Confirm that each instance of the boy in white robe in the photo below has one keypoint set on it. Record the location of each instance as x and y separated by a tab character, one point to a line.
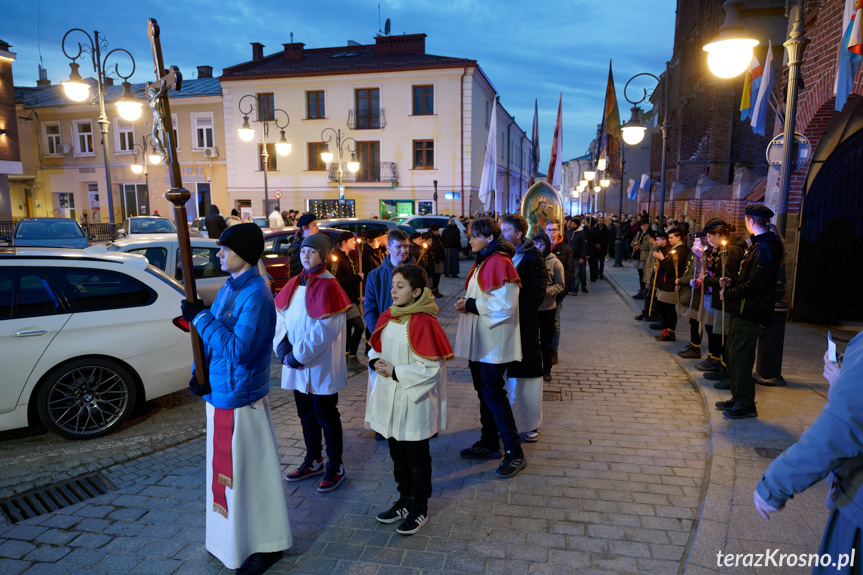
407	404
310	342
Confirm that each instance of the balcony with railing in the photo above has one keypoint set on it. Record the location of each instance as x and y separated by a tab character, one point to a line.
367	119
382	172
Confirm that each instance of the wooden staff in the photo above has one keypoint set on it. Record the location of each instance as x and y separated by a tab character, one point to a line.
360	258
723	254
653	289
701	303
692	291
676	277
163	129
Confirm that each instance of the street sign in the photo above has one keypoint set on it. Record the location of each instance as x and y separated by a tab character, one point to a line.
277	194
775	150
341	193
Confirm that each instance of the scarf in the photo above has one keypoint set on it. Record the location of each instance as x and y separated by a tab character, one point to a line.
499	244
424	304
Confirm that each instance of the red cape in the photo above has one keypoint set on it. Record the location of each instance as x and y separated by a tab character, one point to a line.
426	337
324	296
494	272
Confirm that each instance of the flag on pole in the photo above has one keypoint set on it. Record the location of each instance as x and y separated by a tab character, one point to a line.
751	85
555	163
632	190
762	102
534	156
646	182
850	51
609	144
488	183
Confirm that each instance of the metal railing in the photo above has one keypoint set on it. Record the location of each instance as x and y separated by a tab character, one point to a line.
367	119
383	172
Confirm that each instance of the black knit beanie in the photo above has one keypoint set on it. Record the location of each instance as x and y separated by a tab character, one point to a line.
247	240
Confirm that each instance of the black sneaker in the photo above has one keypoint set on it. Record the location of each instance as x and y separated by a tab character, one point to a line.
690	352
641	317
397	512
723	405
740	412
479	451
412	523
258	563
546	377
656	325
717	374
554	358
639	295
512	463
724	384
379	437
708	364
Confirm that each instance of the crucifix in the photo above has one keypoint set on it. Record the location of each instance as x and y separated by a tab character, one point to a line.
163	136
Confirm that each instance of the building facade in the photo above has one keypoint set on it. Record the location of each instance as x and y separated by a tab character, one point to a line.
10	154
64	167
409	118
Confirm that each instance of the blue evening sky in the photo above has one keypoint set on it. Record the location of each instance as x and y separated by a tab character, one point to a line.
532	49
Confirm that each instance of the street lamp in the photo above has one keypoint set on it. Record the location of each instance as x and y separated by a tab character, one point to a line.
78	91
149	158
335	138
730	53
768	367
633	132
247	134
601	164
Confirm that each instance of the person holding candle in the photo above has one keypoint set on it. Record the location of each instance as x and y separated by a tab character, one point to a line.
343	265
750	300
672	264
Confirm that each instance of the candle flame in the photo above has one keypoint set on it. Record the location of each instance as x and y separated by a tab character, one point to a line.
359	240
425	245
674	251
335	259
723	242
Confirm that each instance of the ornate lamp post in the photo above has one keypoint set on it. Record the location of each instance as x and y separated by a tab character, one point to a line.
78	90
335	137
153	157
247	133
633	131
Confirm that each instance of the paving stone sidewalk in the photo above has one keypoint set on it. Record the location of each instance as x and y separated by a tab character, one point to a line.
741	450
613	486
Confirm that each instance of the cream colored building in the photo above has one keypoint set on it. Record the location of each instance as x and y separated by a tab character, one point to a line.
64	166
409	117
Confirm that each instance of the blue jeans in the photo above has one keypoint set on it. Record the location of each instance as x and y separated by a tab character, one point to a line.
495	412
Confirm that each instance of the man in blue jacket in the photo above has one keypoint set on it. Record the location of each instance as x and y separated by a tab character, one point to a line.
247	516
379	283
832	445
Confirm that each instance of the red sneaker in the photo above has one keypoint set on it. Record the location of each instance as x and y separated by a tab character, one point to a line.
332	479
307	469
666	335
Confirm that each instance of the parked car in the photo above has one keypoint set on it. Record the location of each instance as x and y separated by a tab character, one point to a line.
49	232
423	223
358	225
164	253
276	258
197	229
144	225
85	338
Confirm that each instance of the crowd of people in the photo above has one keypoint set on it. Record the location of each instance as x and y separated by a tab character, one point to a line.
383	288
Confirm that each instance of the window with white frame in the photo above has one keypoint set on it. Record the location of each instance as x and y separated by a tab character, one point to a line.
52	139
202	127
125	135
176	130
83	135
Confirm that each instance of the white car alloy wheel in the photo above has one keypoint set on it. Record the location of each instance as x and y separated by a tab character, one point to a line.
86	398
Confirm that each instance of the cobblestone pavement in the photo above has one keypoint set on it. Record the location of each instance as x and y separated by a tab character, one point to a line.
613	486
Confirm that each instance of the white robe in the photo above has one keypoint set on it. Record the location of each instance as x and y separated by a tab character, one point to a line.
319	344
414	407
525	398
493	336
257	519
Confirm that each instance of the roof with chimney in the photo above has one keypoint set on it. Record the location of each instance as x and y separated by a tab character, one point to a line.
387	54
53	95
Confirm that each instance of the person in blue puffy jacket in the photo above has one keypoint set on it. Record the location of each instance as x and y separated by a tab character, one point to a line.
247	515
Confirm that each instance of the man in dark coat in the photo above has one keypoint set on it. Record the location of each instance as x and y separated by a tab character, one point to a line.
579	246
451	239
215	223
530	266
437	252
564	253
750	301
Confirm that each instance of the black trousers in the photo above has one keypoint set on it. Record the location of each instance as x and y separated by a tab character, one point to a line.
412	470
593	263
546	333
495	412
641	279
694	333
451	261
667	315
740	345
714	344
355	328
320	413
435	280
